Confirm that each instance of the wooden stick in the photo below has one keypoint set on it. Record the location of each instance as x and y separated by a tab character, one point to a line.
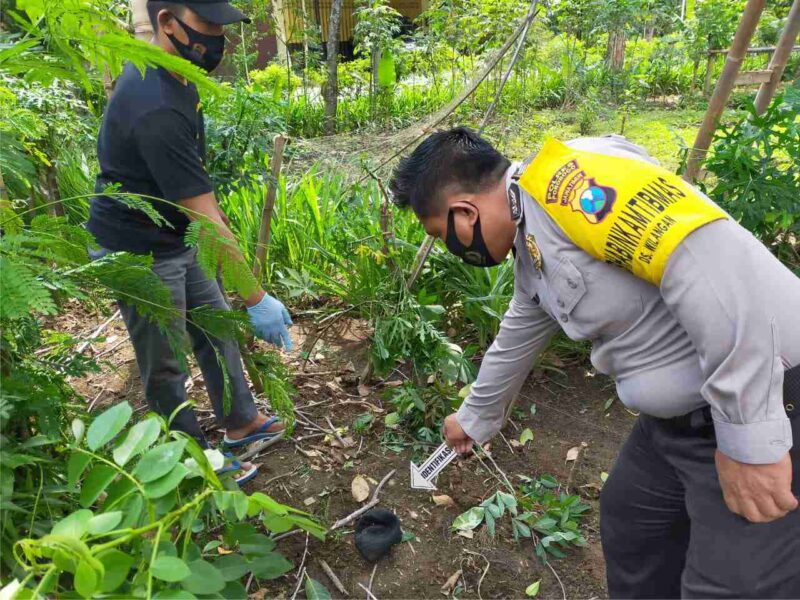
370	595
777	63
373	502
265	231
96	333
716	106
332	576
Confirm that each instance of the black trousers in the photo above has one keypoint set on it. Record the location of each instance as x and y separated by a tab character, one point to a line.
667	532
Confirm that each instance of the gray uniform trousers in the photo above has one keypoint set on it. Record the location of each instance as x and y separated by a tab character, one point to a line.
163	378
667	532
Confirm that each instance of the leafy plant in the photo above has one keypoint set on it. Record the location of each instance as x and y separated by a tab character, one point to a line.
756	175
143	494
549	517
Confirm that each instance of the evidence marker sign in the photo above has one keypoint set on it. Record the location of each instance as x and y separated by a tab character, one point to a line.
422	477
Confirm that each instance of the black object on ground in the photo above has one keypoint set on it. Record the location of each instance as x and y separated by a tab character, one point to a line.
376	532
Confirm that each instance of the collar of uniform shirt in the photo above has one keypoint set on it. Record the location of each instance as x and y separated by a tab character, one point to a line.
509	174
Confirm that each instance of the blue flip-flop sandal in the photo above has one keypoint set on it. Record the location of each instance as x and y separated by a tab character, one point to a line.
234	465
260	439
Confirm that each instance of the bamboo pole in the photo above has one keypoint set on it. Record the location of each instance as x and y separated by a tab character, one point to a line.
777	62
733	63
265	231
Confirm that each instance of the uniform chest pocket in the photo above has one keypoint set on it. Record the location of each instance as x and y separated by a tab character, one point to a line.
568	286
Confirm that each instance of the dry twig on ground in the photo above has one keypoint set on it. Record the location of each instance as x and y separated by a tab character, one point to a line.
373	502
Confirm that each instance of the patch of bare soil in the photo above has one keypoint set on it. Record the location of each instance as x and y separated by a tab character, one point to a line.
314	473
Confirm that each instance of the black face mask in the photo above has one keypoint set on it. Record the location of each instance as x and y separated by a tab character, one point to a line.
214	47
476	254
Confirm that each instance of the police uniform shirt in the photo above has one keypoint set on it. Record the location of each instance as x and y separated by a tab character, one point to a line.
720	330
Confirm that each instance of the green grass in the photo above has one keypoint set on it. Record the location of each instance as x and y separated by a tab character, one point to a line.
659	131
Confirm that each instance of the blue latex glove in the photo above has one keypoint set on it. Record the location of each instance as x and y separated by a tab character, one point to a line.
270	319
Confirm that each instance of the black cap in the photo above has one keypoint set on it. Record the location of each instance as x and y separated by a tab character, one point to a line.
214	11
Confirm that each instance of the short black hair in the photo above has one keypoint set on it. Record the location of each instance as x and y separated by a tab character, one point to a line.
454	160
153	8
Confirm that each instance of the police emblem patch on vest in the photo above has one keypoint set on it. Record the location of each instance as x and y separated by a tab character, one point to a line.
626	212
533	250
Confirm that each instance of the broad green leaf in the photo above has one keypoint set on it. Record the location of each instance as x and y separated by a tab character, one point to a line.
509	500
270	566
240	504
391	420
107	425
277	524
164	485
75	466
96	481
169	568
105	522
387	76
464	391
315	590
132	509
118	492
117	565
533	589
139	439
175	595
470	519
233	589
526	436
78	429
86	579
159	461
204	578
256	544
232	566
74	525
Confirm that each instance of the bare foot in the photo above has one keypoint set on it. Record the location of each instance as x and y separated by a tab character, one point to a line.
241	432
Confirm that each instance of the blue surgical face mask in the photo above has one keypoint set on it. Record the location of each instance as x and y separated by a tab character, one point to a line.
213	47
476	254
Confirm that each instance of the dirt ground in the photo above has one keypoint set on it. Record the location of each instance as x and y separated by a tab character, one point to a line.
311	473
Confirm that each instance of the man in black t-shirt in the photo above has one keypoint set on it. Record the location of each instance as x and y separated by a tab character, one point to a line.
152	143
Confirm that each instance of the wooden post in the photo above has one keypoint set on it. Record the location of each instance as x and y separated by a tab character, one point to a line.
777	62
265	231
733	63
331	90
142	28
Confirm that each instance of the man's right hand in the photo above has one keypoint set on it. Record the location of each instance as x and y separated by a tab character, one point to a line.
270	320
455	436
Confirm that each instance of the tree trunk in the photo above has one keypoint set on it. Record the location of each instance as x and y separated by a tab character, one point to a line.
332	84
615	51
142	28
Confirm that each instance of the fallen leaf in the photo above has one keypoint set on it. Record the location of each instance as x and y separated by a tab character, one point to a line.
574	452
603	476
533	589
451	582
526	436
443	500
363	390
515	444
311	385
467	533
309	501
359	488
392	384
221	550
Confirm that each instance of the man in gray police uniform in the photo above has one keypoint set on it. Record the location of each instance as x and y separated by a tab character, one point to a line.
702	499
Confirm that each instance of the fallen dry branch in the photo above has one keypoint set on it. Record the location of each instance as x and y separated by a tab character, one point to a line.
332	576
373	502
370	595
